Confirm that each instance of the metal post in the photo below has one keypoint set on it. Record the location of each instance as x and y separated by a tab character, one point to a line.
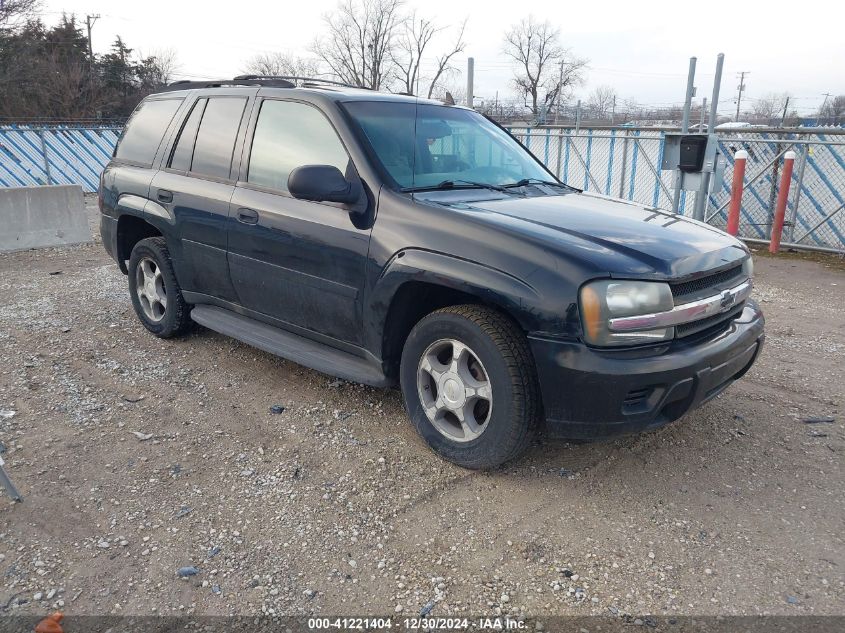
470	77
736	191
45	156
704	190
6	483
578	117
676	196
624	165
783	196
796	200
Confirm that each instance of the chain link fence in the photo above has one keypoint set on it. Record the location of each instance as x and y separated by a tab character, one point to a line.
625	163
619	162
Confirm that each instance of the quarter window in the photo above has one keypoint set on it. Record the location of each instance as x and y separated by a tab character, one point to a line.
184	150
145	129
288	135
216	138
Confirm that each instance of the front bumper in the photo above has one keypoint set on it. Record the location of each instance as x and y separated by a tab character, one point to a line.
590	393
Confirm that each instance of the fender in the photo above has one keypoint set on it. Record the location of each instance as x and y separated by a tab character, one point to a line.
492	286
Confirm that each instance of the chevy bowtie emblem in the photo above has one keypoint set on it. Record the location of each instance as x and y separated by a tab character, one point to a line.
728	299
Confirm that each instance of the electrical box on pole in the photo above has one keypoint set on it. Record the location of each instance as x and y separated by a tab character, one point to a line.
694	155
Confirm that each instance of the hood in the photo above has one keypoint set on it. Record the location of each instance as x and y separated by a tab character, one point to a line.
624	237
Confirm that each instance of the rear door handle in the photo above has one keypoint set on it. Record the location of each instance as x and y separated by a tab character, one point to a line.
248	216
165	196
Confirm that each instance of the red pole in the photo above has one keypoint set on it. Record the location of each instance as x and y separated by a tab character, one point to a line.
736	191
780	208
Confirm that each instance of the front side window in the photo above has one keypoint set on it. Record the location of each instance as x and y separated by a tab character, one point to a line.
216	138
288	135
145	129
423	145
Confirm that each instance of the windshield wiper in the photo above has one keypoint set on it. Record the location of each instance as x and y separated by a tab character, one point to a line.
537	181
460	184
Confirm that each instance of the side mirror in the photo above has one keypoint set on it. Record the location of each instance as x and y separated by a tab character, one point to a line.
321	183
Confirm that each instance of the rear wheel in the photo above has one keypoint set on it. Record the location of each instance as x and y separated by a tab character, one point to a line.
156	295
470	386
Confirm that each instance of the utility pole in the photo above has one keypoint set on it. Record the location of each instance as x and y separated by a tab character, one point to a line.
826	95
785	106
90	20
470	77
741	88
613	110
559	92
703	115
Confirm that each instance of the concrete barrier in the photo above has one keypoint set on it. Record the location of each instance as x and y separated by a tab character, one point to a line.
36	217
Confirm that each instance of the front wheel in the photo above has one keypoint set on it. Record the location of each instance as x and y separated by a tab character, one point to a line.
470	385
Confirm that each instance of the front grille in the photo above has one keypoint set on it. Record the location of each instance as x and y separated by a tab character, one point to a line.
710	326
706	286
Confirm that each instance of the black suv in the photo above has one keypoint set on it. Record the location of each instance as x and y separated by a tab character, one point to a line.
387	239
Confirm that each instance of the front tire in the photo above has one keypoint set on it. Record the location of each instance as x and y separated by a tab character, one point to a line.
156	295
470	385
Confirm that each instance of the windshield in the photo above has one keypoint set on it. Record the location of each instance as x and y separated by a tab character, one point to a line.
422	145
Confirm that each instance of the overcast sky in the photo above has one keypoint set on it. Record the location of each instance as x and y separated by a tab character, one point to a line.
641	49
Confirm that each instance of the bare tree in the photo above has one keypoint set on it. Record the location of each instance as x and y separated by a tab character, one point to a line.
14	11
543	64
161	66
444	61
410	48
601	102
770	107
360	41
281	64
832	111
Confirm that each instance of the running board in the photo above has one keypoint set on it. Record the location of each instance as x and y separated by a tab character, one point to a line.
298	349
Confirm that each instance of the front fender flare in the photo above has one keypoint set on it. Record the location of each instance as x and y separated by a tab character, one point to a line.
491	286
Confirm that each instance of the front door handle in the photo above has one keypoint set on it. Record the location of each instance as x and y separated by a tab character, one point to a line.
165	196
248	216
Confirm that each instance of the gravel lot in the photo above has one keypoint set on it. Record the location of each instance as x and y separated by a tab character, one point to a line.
138	457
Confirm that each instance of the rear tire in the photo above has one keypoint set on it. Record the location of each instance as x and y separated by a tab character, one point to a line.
155	293
470	385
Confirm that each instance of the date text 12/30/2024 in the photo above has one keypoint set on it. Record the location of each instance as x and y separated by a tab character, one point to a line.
417	624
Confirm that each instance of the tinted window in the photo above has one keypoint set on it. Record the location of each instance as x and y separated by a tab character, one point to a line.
289	135
216	139
145	129
185	145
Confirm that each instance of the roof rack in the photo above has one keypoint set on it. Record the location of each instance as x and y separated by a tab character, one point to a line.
187	84
306	81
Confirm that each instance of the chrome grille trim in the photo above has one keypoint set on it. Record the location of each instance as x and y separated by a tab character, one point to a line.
686	312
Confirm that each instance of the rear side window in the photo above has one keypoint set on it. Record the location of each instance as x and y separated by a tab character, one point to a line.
216	138
289	135
184	150
145	129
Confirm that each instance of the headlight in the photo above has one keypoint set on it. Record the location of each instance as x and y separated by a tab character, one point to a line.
602	300
748	267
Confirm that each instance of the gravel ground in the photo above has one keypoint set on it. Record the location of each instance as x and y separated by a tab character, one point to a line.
138	457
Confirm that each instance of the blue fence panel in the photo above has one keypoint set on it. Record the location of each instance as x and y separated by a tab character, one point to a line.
59	155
